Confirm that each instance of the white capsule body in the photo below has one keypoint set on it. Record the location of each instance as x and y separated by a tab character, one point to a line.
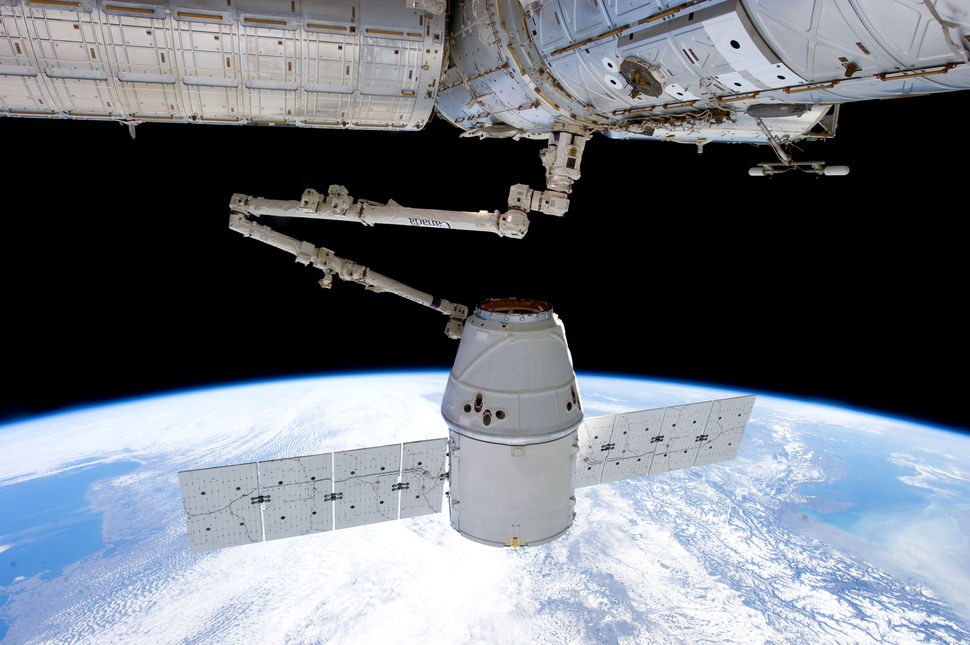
512	408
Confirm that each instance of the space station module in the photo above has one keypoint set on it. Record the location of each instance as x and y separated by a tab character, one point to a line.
694	71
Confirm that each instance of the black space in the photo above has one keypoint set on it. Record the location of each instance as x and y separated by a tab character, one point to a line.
121	278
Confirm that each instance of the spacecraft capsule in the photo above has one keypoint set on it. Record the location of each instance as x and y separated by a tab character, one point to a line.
512	408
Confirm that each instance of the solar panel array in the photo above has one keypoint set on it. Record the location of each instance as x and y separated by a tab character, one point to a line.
646	442
280	498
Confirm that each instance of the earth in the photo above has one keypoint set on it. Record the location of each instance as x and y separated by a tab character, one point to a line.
831	526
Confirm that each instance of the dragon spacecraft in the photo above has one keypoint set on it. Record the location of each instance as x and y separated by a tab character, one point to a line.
769	72
518	446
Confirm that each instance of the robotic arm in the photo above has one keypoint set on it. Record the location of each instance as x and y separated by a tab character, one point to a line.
326	261
337	204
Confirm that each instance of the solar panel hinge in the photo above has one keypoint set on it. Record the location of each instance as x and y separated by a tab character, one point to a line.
258	499
701	437
333	496
443	476
657	439
607	446
401	486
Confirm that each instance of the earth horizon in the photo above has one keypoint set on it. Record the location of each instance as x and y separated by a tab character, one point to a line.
832	525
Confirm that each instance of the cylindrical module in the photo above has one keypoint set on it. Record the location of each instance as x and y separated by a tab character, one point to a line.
504	495
512	407
309	63
693	71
